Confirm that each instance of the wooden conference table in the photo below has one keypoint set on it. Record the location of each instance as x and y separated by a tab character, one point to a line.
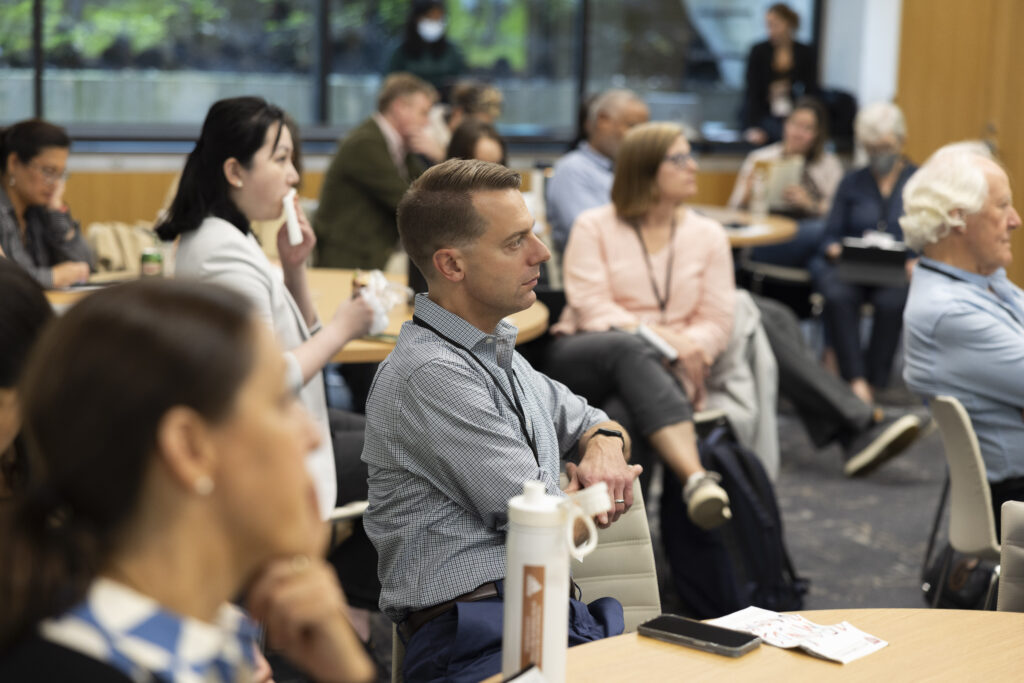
329	287
923	645
747	231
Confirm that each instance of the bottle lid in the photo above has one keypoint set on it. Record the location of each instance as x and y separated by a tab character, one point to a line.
535	507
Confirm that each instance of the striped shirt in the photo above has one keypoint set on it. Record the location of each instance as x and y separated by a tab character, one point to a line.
445	452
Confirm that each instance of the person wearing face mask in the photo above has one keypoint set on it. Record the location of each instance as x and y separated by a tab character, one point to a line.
868	199
425	50
36	229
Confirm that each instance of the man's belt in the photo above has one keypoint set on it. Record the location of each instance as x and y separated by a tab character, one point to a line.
414	621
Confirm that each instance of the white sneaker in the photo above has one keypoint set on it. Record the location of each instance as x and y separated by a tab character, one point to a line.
707	503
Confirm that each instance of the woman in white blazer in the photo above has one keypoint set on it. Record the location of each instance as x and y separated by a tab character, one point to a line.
240	171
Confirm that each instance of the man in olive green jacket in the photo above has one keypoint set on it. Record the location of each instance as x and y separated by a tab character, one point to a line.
355	222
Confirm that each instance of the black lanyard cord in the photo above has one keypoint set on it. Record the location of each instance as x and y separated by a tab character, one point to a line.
513	401
662	300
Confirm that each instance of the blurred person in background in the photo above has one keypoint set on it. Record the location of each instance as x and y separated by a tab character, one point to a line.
805	134
36	228
355	223
582	179
132	535
478	140
425	50
869	200
779	71
470	100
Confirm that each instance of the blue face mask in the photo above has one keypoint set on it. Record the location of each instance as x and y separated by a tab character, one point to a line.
430	30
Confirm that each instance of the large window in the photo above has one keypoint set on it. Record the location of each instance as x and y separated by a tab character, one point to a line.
151	68
687	57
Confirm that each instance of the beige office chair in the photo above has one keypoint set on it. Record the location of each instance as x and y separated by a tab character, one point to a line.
1011	562
622	566
972	528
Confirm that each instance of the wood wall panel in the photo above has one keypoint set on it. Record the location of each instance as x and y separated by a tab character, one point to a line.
133	196
960	78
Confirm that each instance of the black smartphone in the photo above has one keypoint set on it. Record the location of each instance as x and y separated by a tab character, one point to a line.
700	636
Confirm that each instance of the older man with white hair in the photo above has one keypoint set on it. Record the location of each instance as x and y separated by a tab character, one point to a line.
583	178
964	319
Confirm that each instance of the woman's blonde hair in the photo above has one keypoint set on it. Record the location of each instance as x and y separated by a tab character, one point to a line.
635	190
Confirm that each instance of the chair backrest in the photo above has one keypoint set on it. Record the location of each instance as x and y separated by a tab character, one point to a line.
971	521
397	655
622	566
1011	562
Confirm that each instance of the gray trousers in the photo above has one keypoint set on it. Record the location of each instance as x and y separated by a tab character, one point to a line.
824	402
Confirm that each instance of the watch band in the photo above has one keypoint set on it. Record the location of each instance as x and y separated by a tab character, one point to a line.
612	432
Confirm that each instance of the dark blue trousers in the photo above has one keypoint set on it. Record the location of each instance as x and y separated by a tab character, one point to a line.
464	643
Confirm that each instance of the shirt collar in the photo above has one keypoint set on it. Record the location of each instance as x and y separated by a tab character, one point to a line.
601	160
133	633
459	329
960	274
395	143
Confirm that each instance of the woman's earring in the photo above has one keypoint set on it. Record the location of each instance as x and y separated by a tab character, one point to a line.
203	485
238	183
12	181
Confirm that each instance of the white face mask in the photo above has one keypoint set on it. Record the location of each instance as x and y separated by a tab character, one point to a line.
430	30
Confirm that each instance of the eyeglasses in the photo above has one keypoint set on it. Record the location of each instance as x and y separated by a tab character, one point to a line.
50	175
681	159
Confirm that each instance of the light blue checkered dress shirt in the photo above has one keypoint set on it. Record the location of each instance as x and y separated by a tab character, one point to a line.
445	453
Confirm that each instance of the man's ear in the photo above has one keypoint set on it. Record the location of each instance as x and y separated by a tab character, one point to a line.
233	172
184	443
449	263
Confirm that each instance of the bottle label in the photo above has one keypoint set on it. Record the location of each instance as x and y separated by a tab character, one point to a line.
532	637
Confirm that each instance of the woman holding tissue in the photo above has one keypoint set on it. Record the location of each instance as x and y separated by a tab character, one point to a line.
804	136
240	171
130	538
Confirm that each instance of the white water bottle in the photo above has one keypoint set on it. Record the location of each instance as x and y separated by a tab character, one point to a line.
540	542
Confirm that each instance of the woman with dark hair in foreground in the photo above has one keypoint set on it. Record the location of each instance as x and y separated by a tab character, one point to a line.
24	312
183	489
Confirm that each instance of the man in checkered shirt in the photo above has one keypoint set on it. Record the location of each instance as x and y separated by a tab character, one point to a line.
457	421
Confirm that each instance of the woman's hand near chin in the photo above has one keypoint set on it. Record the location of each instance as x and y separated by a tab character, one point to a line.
303	609
295	257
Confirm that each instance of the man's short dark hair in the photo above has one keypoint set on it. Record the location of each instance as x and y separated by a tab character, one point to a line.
437	211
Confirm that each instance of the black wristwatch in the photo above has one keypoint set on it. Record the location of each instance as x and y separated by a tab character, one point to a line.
612	432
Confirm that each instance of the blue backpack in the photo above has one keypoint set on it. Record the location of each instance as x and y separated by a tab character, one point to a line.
743	562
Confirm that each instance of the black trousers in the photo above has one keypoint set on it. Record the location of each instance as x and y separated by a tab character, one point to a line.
843	302
826	406
355	560
1002	491
623	375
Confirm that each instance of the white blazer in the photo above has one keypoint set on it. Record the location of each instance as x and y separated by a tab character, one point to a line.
218	252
